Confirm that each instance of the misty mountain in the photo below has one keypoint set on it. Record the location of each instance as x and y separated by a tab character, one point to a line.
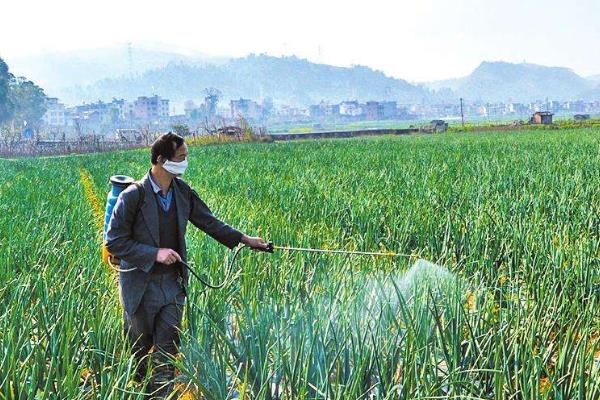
129	72
594	78
60	72
502	81
593	93
445	84
287	80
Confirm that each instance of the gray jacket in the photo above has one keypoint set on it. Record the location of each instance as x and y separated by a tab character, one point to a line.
133	236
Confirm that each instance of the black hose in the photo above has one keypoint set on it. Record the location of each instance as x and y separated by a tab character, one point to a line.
228	272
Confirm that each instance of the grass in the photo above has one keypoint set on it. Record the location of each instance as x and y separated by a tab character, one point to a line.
512	220
338	125
559	123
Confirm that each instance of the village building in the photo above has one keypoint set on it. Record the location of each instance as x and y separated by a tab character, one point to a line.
55	115
373	111
541	118
350	108
323	109
438	125
151	108
246	108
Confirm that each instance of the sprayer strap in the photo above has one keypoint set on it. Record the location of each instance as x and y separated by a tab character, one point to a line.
141	196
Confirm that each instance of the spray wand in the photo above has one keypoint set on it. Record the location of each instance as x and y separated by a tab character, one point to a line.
271	247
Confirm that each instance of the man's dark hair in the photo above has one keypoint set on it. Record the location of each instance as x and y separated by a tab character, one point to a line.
165	146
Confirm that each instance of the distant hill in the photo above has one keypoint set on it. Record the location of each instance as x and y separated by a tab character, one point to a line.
60	73
594	78
101	74
502	81
593	93
287	80
452	84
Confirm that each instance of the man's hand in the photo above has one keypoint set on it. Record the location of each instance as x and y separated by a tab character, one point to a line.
167	256
254	242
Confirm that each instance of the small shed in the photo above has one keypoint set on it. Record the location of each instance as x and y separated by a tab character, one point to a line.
541	118
581	117
438	125
230	131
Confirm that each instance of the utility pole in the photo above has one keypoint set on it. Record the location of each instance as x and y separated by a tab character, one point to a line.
462	113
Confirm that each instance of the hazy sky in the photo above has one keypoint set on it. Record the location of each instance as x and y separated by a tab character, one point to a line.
415	40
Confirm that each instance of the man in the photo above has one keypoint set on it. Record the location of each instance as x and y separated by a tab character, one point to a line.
147	233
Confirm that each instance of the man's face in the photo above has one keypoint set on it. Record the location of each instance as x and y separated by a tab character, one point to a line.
180	154
178	162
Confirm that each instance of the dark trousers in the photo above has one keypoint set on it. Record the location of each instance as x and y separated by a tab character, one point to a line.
156	323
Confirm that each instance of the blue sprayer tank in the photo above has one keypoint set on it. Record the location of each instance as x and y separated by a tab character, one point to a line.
118	184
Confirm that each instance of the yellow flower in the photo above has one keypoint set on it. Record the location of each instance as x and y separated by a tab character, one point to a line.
398	373
471	302
86	373
545	385
465	332
90	195
186	393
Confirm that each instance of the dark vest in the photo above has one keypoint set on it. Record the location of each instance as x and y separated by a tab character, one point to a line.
169	235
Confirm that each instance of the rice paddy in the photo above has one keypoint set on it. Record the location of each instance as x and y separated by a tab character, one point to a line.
498	300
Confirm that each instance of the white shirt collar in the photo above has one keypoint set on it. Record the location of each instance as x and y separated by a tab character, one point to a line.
155	187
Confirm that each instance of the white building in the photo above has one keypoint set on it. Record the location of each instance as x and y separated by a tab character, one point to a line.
245	108
126	110
55	113
151	108
350	108
163	111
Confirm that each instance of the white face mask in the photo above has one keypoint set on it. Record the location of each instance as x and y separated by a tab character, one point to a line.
176	168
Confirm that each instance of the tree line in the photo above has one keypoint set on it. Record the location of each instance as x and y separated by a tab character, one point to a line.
22	104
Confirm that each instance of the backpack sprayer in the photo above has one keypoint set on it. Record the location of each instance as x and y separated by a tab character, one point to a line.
121	182
118	184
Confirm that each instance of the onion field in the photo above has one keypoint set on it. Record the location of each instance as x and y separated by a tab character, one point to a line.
497	298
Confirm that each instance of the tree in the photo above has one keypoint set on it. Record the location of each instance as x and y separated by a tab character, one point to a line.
212	98
22	103
29	102
78	128
5	104
181	129
146	134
